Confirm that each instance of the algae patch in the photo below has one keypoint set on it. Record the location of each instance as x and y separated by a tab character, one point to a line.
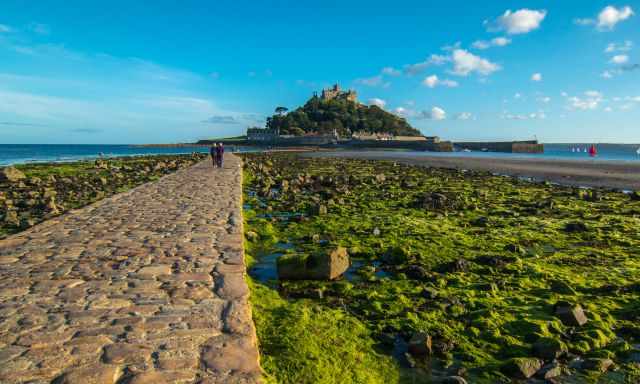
499	273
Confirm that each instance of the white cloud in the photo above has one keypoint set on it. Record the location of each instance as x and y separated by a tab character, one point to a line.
607	75
610	16
403	112
436	113
608	109
536	77
40	29
624	47
495	42
464	116
590	101
465	63
524	116
378	102
417	68
391	71
584	22
4	28
517	95
370	81
433	81
520	21
619	59
544	99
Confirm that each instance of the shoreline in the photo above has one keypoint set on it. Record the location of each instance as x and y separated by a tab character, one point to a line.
578	173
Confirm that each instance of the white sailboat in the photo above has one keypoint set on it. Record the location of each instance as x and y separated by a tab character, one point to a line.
638	151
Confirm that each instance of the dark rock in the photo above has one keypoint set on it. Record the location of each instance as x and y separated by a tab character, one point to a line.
480	221
515	248
323	265
635	195
454	380
417	272
577	226
522	367
548	348
420	344
597	364
570	314
430	293
460	265
562	287
549	371
11	174
495	261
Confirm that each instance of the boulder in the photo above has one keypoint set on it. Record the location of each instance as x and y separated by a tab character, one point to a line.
559	286
635	195
11	174
570	314
323	265
576	226
420	344
596	364
522	367
549	371
548	348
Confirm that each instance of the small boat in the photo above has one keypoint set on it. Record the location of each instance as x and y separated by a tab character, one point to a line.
638	151
593	152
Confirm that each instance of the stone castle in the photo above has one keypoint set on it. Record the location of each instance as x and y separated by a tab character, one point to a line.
336	93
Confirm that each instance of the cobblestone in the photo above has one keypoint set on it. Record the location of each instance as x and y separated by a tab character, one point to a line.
144	287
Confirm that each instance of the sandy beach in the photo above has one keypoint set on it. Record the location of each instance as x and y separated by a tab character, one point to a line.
587	173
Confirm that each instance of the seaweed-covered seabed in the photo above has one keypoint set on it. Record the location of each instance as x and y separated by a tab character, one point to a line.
50	189
475	261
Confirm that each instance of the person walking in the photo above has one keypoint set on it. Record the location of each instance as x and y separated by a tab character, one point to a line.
220	154
213	151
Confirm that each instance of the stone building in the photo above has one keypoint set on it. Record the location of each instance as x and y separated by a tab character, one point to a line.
336	93
262	134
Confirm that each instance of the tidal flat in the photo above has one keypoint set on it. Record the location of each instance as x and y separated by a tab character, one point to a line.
456	276
32	193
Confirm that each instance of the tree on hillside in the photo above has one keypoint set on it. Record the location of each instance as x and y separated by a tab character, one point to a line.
344	116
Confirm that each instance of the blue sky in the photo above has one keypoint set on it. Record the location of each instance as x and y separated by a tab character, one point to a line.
131	72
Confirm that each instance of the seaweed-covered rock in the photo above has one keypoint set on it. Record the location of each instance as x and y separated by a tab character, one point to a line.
597	364
635	195
459	265
323	265
562	287
551	370
11	174
576	226
548	348
570	314
420	344
522	367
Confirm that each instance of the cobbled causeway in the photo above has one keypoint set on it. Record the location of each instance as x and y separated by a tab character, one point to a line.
144	287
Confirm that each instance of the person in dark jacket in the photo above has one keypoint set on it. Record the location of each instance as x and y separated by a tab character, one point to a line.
213	151
220	154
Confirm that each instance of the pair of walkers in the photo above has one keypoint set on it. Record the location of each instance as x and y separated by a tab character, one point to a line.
217	154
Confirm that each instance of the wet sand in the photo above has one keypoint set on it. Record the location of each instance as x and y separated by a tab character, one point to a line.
586	173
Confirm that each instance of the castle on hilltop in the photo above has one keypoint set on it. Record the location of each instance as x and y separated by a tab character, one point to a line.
336	93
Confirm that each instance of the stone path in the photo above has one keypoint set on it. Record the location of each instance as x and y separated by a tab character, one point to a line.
144	287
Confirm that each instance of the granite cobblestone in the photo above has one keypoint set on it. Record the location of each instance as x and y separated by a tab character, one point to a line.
143	287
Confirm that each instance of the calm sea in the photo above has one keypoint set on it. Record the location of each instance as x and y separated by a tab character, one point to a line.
30	153
37	153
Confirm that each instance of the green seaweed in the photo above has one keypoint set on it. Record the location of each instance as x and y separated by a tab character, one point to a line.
476	261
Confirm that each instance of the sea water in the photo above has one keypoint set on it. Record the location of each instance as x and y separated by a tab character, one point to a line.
38	153
30	153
